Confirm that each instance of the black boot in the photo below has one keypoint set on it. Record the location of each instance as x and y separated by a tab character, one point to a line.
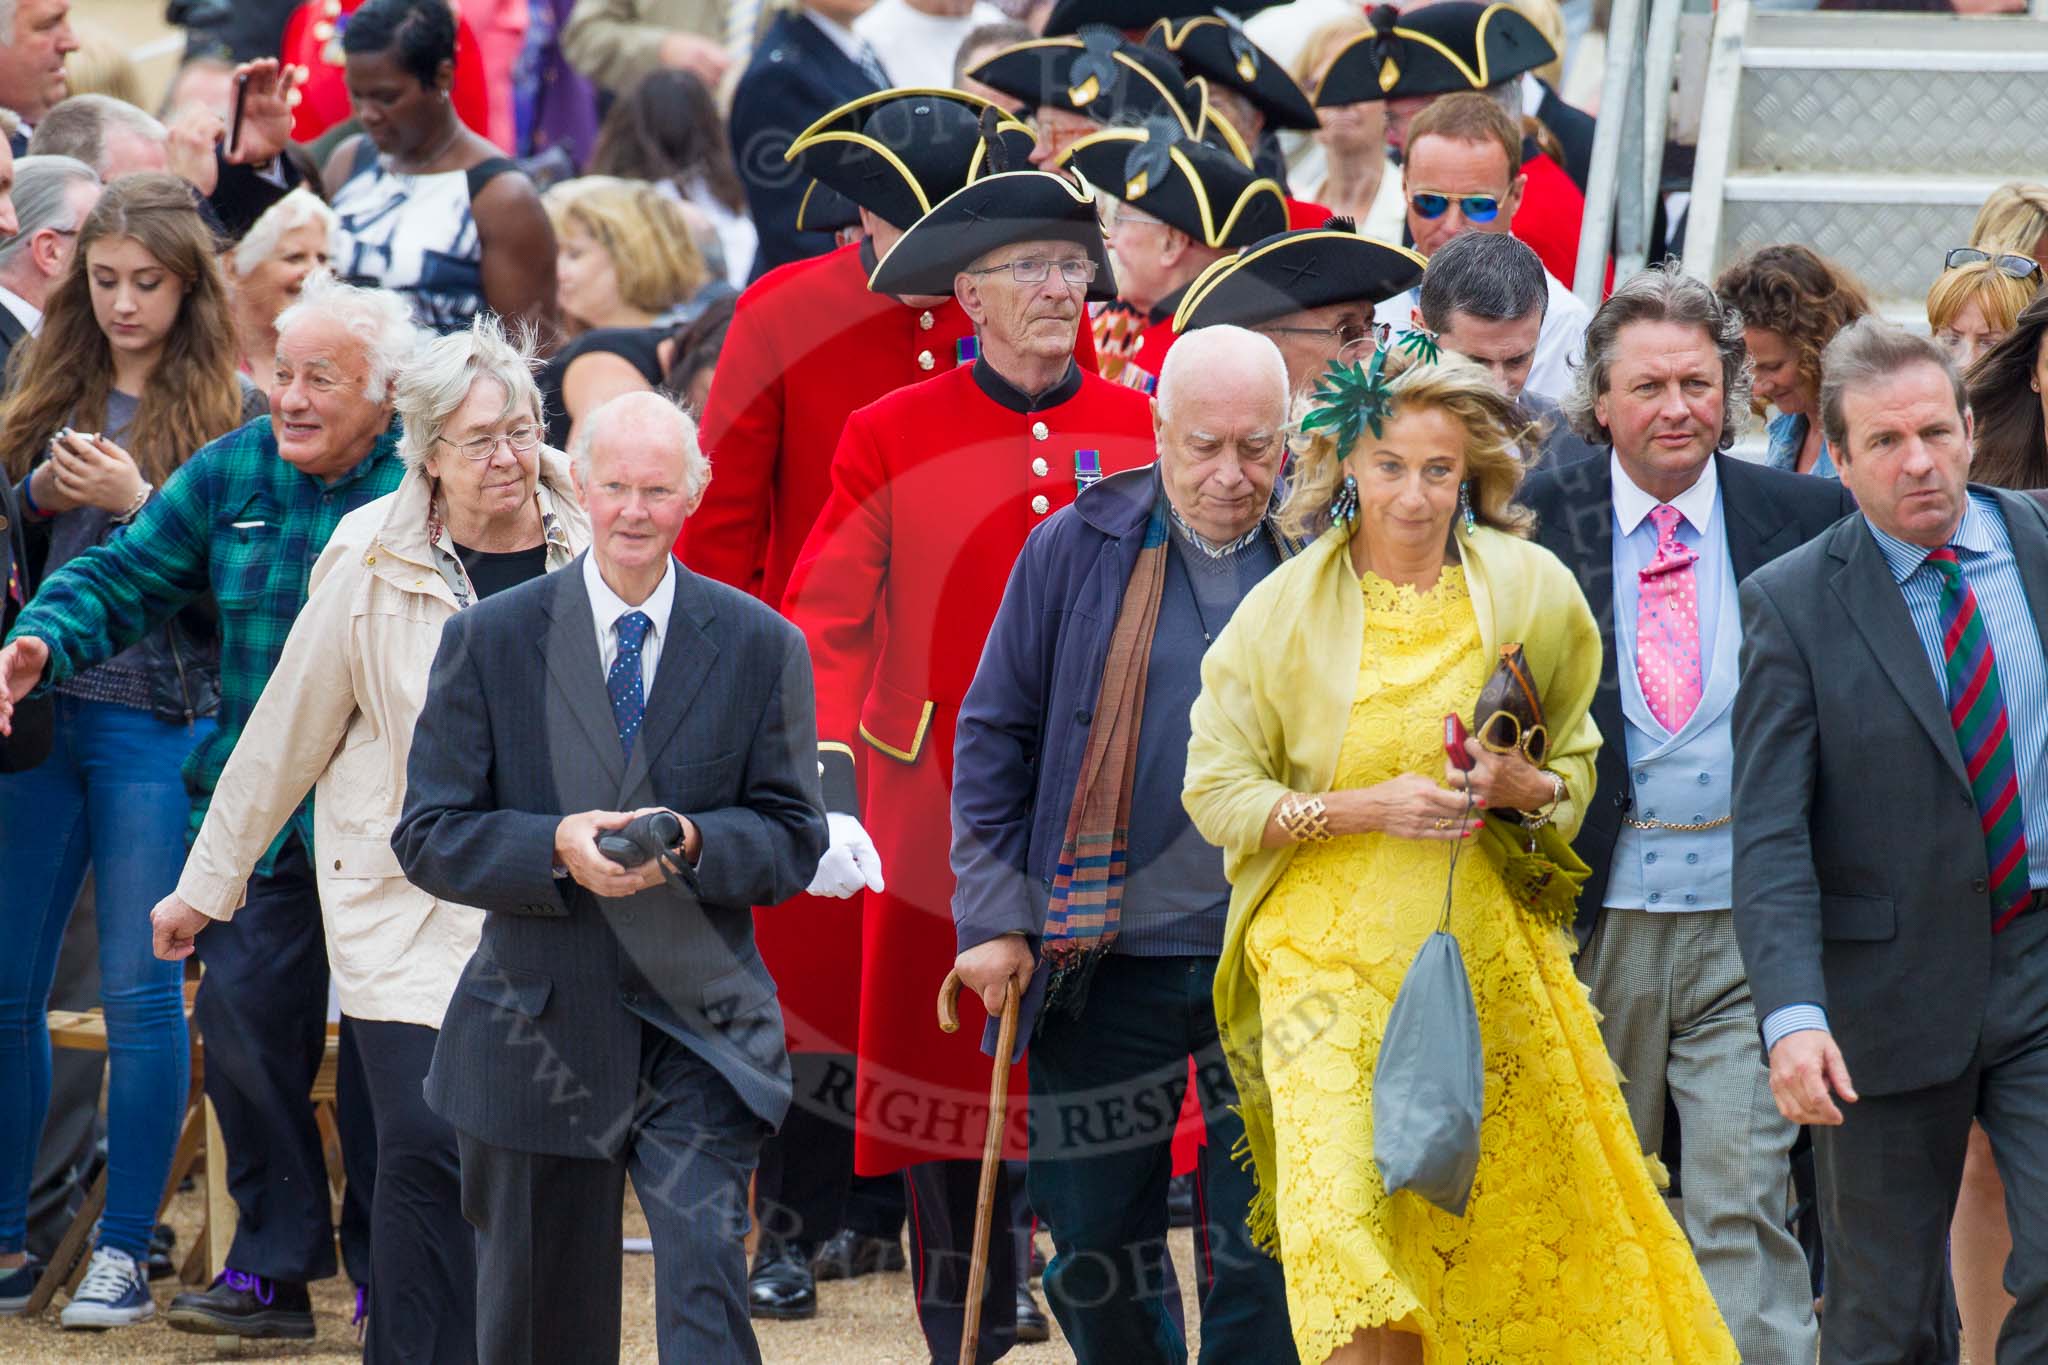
239	1304
849	1255
781	1286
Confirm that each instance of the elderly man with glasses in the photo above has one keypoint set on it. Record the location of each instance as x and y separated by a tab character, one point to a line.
1464	174
934	489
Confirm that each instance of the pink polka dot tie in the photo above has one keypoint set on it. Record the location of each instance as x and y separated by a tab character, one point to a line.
1668	626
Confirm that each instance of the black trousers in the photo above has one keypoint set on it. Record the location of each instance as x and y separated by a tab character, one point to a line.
942	1195
1106	1093
806	1189
548	1251
262	1012
422	1250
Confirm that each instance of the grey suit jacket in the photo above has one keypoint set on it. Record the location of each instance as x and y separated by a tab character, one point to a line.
540	1047
1860	876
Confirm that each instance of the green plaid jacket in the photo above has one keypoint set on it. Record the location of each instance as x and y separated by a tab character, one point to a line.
235	520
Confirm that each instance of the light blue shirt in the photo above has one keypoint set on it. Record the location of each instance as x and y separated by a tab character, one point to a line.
1787	434
1984	547
1635	545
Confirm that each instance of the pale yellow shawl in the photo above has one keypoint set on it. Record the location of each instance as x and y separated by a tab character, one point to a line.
1277	690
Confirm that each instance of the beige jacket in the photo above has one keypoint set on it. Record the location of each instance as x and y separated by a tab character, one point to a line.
337	717
617	43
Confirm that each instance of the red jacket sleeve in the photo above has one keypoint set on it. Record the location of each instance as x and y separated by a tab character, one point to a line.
835	591
726	538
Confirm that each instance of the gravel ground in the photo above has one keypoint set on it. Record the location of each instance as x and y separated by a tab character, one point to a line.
867	1320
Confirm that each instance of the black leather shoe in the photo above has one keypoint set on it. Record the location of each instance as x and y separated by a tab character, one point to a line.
849	1255
239	1304
781	1286
1031	1323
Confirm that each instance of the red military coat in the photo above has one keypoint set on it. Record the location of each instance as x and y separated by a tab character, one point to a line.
934	489
808	345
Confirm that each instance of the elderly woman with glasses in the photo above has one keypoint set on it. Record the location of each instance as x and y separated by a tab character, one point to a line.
482	507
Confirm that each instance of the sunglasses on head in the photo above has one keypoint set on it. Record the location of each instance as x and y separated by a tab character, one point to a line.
1477	208
2008	262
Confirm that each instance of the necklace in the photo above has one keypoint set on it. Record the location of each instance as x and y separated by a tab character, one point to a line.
423	162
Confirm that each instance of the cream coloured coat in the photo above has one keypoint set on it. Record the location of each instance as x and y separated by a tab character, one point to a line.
337	718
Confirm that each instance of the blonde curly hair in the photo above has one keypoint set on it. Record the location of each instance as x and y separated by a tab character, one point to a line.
1495	429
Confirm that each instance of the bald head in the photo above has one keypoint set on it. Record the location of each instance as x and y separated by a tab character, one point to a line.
1218	417
642	419
640	474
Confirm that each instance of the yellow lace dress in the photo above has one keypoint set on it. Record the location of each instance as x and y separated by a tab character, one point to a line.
1566	1252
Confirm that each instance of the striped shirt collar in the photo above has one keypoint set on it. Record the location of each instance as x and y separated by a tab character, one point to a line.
1972	535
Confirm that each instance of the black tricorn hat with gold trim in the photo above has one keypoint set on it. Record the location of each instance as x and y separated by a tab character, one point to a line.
1292	271
898	152
1071	16
1206	193
994	211
1437	50
1215	46
1095	73
824	209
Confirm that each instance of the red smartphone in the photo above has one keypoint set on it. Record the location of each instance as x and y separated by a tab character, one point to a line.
1454	744
235	123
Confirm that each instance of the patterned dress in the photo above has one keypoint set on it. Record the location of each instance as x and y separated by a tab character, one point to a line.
416	235
1566	1253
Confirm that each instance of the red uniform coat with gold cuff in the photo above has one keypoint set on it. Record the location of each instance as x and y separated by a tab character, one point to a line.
934	489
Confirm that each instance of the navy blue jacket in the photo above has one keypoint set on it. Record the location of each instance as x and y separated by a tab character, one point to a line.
1024	724
797	76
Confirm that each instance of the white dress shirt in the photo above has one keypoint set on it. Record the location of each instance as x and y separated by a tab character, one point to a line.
1560	346
607	607
27	314
918	48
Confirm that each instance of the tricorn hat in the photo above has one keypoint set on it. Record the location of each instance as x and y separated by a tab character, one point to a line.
1292	271
1071	16
1094	73
824	209
898	152
1206	193
1437	50
994	211
1215	47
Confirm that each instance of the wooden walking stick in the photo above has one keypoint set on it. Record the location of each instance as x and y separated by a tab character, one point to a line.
991	1147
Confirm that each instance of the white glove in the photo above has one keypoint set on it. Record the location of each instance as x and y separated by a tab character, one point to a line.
849	863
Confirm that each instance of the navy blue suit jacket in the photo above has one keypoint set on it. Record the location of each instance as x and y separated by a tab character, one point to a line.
798	75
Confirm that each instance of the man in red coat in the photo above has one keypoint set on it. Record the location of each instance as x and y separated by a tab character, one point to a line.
1174	206
934	489
1412	59
810	343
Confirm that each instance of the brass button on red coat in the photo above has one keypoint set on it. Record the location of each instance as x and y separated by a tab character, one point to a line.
925	320
924	360
1039	431
1041	504
1040	467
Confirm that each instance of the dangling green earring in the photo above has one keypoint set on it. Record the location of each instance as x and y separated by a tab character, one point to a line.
1465	506
1344	507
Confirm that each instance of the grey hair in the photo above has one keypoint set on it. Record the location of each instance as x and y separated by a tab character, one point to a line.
1207	351
1487	275
1866	351
42	201
440	375
78	127
296	209
1660	293
377	318
1508	95
634	410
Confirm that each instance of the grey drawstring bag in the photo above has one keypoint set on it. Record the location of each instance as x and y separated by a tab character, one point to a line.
1429	1088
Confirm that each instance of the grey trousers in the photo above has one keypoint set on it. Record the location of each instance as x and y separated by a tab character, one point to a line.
548	1251
1678	1021
1889	1176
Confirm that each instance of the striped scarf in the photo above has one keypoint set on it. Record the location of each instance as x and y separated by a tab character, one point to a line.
1088	887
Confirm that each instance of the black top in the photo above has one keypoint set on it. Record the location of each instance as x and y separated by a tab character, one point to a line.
1015	399
493	573
636	345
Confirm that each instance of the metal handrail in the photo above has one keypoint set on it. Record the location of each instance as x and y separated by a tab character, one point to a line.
1624	27
1628	142
1717	137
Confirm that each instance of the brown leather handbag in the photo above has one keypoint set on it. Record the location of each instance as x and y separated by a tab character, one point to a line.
1509	716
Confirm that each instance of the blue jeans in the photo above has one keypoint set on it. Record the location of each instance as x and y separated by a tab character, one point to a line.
110	794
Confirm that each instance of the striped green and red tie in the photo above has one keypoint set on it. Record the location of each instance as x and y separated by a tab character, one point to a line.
1977	709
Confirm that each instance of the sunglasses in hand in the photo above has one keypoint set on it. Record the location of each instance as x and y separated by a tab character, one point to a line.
1477	208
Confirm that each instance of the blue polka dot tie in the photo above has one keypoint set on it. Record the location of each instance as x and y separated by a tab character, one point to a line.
622	684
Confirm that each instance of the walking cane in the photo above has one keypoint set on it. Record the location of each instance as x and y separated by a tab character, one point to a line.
991	1147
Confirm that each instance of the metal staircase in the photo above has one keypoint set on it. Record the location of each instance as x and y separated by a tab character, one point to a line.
1872	138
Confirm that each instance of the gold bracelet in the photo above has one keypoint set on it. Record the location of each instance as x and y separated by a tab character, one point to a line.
1538	819
1305	818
